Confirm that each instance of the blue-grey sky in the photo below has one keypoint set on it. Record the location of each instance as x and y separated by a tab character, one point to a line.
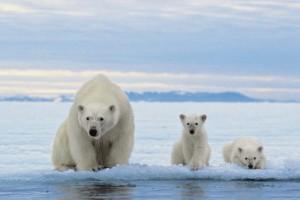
229	38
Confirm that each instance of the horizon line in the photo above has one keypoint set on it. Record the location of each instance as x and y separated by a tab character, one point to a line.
54	82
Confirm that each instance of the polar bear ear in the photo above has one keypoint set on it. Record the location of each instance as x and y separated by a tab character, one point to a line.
204	117
112	108
182	117
240	149
260	149
80	108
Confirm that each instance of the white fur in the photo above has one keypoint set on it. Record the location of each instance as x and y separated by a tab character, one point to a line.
103	106
193	149
246	152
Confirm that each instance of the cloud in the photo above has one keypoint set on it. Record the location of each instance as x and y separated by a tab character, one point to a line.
240	11
56	82
14	9
83	74
38	8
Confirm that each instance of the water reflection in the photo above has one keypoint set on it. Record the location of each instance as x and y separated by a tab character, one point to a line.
95	190
191	190
172	189
142	190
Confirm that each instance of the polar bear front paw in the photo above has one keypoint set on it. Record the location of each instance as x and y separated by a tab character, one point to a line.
62	168
194	166
89	168
98	168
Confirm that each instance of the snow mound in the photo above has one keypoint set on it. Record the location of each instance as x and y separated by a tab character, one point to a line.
287	170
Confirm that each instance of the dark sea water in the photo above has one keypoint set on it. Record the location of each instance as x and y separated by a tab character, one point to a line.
171	189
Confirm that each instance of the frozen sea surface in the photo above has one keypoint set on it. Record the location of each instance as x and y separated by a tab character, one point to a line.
27	131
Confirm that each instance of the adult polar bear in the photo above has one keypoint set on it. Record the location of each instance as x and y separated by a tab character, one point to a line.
99	131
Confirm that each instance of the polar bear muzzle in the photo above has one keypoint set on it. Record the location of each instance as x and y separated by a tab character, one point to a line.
93	132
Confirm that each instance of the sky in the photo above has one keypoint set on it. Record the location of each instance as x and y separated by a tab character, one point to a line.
51	47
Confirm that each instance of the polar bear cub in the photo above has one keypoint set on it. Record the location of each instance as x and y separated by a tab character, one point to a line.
245	151
99	130
192	149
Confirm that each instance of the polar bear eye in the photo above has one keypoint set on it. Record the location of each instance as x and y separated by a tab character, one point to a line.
101	119
254	158
196	124
246	158
188	124
87	118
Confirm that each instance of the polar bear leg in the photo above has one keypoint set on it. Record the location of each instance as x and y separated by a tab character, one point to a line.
119	151
83	153
177	155
208	155
227	150
261	164
61	156
199	158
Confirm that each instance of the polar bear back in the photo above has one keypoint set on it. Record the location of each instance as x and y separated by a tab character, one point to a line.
245	151
230	149
246	142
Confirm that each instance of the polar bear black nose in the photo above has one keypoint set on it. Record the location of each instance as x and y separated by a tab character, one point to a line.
192	132
93	132
250	166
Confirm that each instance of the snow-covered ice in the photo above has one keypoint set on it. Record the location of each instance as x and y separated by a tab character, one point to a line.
27	131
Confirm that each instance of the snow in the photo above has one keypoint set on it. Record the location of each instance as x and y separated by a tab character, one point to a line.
27	131
139	172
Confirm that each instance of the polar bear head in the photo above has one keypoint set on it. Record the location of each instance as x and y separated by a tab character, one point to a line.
192	124
97	119
250	156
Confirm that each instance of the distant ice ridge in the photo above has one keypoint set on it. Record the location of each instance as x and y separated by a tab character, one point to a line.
171	96
289	170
